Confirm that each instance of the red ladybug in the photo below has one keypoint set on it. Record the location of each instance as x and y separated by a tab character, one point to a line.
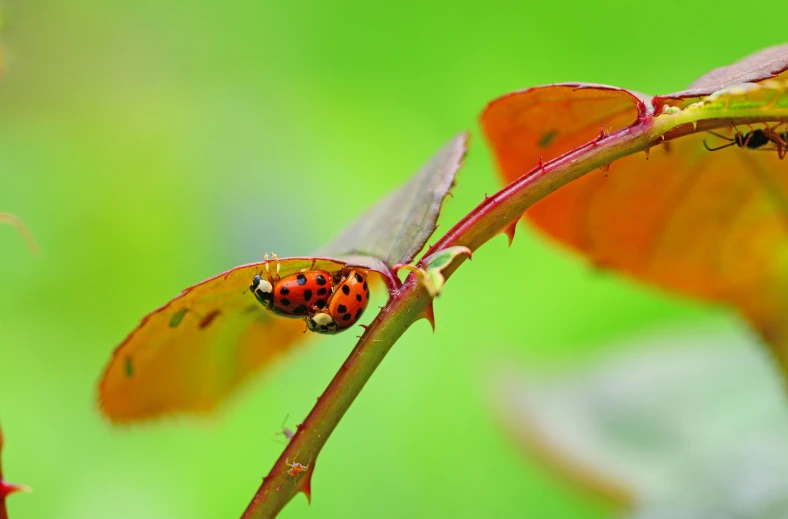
296	295
345	305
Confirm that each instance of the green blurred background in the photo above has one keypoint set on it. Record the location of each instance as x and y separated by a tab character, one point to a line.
149	145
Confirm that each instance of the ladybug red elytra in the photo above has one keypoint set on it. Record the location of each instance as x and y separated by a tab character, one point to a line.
345	306
295	295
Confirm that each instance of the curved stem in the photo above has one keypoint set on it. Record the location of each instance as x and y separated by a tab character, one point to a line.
411	301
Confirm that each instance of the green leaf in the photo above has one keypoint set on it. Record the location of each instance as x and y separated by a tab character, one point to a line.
397	228
431	276
693	425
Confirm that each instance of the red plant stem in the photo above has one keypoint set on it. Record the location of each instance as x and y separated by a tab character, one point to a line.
410	302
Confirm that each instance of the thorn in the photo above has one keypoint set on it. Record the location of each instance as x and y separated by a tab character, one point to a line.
647	151
541	165
602	134
7	489
429	315
509	232
306	484
694	125
365	326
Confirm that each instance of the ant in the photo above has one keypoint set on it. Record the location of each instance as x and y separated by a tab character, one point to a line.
755	139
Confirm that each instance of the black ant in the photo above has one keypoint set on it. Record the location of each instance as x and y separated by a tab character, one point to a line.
754	140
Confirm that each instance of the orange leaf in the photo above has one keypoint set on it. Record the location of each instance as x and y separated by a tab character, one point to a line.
190	354
707	224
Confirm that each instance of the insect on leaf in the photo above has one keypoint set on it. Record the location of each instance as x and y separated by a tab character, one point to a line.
396	228
707	224
190	354
193	352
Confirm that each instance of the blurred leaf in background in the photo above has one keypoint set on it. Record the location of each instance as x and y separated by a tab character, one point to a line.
692	425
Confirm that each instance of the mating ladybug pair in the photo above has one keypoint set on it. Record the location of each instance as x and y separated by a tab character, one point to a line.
328	302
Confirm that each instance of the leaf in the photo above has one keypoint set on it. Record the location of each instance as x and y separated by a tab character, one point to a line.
190	354
431	276
396	229
689	425
707	224
544	122
15	222
764	64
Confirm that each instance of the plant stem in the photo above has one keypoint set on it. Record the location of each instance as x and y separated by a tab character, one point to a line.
411	301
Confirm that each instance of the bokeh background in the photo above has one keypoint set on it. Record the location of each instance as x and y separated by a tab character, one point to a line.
149	145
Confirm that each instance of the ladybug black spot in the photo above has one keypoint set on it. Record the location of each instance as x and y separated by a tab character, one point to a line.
346	317
345	289
365	285
301	279
323	327
284	290
284	302
358	314
320	303
341	309
300	309
320	280
358	297
359	278
322	291
307	295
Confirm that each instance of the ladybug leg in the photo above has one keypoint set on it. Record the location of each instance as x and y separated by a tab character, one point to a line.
276	260
268	272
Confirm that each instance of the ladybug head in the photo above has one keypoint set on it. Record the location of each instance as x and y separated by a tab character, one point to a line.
321	323
263	291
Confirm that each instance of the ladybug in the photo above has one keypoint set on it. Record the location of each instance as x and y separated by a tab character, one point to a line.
295	295
345	305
